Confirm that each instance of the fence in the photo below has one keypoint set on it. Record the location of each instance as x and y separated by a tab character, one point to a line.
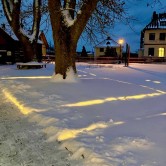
112	60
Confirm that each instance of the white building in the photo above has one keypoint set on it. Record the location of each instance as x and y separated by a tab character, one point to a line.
100	49
153	37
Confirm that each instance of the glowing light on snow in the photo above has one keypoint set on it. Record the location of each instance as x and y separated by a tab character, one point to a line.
121	98
92	74
32	77
157	82
14	100
72	133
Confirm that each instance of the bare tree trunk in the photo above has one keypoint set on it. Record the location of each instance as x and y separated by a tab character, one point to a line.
65	35
65	53
28	51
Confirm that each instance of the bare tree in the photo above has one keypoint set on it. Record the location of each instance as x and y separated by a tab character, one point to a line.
69	18
16	15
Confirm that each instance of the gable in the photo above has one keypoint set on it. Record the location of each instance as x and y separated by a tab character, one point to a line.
158	21
42	37
5	38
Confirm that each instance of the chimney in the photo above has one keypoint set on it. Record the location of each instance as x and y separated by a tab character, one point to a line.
155	16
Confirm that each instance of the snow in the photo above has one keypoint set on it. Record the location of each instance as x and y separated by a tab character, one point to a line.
110	115
67	17
7	11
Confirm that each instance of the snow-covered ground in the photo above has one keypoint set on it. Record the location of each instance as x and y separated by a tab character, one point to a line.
110	115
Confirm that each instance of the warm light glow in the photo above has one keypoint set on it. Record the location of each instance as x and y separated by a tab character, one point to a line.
85	103
161	52
14	100
121	41
164	114
156	82
32	77
72	133
121	98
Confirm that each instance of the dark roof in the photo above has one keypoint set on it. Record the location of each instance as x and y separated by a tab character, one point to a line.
107	42
42	37
6	35
158	21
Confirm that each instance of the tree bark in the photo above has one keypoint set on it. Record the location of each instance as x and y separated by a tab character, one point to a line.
66	36
65	54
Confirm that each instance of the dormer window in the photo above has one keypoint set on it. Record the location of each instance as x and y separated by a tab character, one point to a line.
162	23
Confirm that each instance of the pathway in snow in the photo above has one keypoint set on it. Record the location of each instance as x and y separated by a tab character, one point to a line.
112	114
23	144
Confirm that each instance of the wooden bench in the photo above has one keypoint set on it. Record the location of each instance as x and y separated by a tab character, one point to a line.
30	65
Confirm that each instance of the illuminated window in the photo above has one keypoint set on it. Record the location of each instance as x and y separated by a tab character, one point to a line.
161	52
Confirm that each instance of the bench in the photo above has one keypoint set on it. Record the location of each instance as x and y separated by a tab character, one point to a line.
30	65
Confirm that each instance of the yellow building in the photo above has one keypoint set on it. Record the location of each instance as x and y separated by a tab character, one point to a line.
153	37
101	48
45	45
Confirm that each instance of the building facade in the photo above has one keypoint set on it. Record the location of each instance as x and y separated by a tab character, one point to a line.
45	45
11	50
106	46
153	37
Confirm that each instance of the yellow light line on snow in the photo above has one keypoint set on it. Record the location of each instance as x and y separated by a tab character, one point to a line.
24	110
110	99
29	77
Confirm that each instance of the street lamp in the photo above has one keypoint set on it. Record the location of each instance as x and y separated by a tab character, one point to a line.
121	42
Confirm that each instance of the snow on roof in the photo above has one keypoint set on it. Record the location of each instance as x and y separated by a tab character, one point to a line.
107	42
158	21
67	17
14	37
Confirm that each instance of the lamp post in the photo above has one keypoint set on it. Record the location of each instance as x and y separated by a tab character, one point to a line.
120	41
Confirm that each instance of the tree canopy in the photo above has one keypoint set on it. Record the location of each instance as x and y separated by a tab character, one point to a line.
24	19
70	18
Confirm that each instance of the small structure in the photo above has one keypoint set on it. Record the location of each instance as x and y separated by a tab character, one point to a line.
45	45
30	65
11	49
108	47
153	37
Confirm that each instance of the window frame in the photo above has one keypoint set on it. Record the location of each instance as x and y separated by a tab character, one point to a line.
162	23
161	52
101	49
162	36
152	36
151	51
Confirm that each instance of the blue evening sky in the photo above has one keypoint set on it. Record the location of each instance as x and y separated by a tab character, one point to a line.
131	33
140	11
